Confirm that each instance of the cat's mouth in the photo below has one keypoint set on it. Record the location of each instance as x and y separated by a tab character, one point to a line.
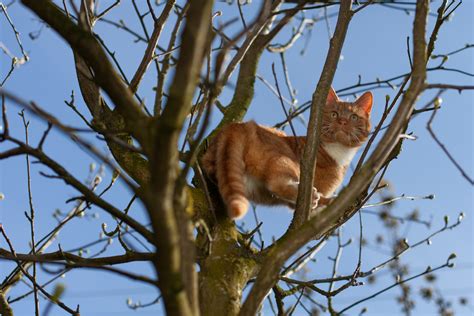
347	138
342	137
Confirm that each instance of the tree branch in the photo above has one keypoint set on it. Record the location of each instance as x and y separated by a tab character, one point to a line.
309	159
70	258
164	160
87	46
5	308
148	56
460	88
74	262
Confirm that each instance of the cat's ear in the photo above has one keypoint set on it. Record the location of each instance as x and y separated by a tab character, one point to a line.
332	96
365	102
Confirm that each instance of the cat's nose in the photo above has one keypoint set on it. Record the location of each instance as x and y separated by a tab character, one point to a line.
343	121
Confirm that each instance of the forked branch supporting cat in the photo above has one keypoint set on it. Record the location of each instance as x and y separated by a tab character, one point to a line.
262	164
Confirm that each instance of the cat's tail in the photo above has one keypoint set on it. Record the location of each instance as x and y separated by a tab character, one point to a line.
231	171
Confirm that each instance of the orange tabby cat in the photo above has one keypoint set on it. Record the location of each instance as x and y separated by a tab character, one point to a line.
262	164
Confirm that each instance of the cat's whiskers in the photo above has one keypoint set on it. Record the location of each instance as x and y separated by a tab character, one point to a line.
357	140
326	130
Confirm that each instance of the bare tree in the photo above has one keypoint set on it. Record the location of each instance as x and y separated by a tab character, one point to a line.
203	261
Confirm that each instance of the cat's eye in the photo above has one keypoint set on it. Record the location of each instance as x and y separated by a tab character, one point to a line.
354	117
334	115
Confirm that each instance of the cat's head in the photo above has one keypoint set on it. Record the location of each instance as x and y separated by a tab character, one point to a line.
347	123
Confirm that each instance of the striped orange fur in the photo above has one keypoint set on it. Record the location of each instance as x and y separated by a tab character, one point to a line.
262	164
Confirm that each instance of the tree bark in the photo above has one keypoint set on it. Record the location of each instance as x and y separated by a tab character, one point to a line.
5	309
225	272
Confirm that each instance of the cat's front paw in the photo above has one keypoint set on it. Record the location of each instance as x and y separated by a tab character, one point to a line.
322	204
316	196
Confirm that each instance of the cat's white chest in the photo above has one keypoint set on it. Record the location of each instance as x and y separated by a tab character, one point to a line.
341	154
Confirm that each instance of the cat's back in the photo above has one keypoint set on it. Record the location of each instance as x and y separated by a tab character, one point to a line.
227	135
249	131
257	138
251	128
249	138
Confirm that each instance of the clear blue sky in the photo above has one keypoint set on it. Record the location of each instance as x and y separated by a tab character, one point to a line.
375	48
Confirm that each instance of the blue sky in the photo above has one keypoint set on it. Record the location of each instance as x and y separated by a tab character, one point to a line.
375	48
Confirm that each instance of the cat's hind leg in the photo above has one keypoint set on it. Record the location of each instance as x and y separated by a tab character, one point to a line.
283	180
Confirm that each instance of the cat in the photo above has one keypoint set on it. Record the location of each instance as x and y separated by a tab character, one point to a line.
262	164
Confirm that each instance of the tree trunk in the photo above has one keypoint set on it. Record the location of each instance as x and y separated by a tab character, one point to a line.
225	272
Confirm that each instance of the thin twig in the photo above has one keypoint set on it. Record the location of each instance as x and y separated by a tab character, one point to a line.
401	197
281	102
107	10
445	150
155	36
31	216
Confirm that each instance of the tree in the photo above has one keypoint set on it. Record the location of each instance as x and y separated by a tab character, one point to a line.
203	262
